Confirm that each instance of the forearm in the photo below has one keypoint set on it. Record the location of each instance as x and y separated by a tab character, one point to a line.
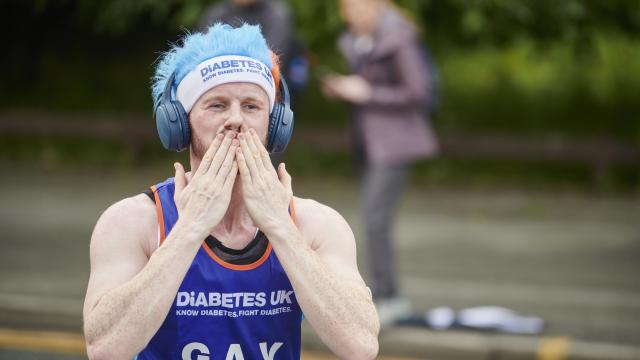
125	318
397	96
341	312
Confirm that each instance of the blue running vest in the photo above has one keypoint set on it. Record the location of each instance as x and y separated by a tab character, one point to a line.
224	311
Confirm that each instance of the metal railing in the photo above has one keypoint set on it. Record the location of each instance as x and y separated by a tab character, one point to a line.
600	154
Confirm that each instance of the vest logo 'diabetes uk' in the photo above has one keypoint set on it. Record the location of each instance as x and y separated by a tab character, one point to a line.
234	305
212	70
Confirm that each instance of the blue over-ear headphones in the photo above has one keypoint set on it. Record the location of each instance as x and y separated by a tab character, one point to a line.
172	121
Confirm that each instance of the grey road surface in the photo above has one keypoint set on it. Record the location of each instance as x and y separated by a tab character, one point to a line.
571	258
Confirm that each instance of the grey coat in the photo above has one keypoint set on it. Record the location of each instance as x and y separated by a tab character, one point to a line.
392	127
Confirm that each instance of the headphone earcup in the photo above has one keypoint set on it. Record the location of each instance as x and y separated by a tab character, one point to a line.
172	123
273	126
280	128
185	129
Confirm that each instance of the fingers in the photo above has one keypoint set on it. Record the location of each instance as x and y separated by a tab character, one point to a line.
264	155
284	177
248	156
209	155
328	85
180	178
245	176
227	165
221	154
231	177
327	90
254	148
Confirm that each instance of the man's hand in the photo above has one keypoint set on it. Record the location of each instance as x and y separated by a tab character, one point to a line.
266	193
203	199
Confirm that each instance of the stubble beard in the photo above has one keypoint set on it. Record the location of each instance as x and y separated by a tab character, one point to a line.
197	146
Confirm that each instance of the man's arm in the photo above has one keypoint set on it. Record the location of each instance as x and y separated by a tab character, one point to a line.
326	280
129	297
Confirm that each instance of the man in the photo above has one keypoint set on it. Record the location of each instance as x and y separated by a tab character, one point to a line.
226	260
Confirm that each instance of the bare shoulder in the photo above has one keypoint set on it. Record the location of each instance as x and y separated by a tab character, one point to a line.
311	213
131	218
330	237
320	222
120	245
139	205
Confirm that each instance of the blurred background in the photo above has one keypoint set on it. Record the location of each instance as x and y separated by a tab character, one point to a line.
533	203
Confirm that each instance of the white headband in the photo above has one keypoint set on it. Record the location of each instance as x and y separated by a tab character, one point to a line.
221	70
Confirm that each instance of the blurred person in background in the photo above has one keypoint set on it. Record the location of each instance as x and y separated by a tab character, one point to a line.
221	261
278	27
389	89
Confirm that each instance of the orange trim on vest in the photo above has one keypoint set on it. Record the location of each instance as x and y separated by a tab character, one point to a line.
251	266
258	262
159	213
292	209
213	256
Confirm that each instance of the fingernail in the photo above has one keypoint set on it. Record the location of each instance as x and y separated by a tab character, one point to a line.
219	136
175	166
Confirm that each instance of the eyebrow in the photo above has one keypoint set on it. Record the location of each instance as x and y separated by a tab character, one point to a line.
252	98
221	97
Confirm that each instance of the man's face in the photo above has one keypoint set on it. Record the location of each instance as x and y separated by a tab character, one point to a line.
228	105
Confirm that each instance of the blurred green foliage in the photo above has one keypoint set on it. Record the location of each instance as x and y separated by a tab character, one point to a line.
565	69
545	89
538	66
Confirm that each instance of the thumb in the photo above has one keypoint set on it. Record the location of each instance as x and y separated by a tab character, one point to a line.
180	178
284	177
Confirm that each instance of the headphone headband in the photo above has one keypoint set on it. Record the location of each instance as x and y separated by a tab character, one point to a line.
168	88
286	98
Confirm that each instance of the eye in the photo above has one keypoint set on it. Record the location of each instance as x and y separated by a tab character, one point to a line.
252	106
216	106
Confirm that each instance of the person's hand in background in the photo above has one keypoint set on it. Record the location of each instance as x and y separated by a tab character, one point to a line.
351	88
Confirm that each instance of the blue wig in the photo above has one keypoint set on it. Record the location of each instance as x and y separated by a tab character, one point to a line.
220	39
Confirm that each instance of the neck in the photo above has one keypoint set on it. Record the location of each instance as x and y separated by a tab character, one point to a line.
236	229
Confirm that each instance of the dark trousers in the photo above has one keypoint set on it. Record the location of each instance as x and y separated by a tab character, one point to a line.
381	190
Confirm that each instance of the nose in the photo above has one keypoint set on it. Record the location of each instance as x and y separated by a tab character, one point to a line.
235	119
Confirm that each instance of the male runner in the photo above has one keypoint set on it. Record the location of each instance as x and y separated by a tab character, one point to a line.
221	262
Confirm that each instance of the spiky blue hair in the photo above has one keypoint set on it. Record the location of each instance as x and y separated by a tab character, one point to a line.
219	39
